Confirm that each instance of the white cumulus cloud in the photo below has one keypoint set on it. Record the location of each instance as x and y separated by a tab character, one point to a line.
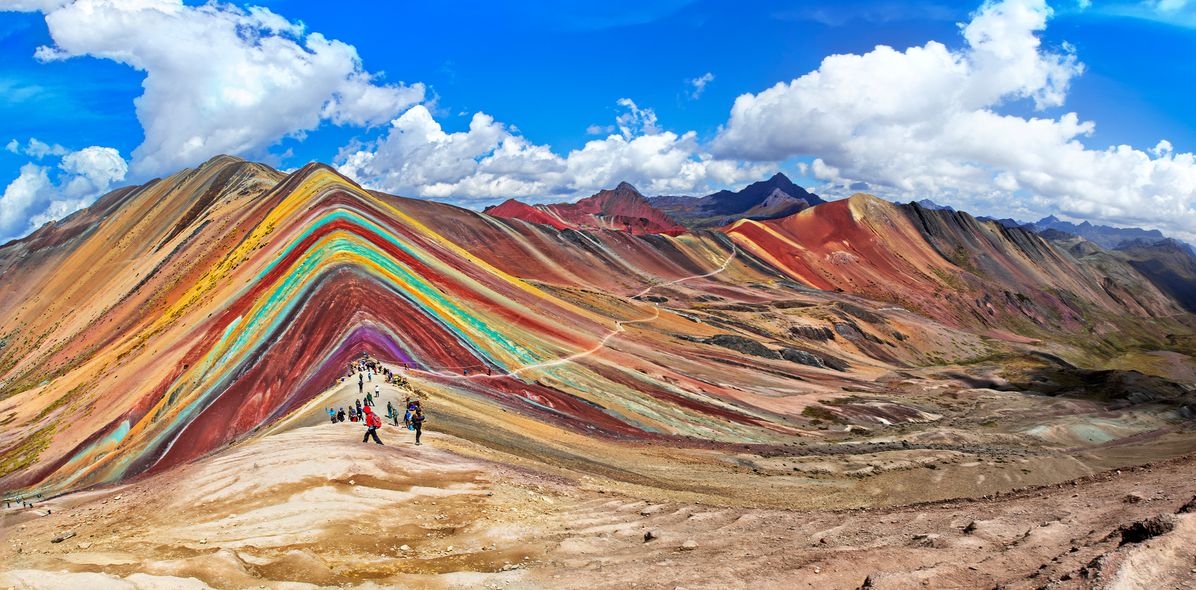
928	122
218	78
36	197
490	160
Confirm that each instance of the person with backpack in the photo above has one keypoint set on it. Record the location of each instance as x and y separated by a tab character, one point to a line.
372	424
331	414
340	415
417	422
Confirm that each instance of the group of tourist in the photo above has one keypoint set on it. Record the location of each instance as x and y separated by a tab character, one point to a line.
21	501
362	409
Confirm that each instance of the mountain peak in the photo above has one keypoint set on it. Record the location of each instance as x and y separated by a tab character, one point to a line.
622	208
764	199
627	186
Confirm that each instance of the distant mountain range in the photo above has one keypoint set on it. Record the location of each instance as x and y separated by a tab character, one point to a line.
768	199
625	208
1105	236
622	208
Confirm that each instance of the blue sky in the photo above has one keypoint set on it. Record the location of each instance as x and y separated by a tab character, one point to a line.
550	76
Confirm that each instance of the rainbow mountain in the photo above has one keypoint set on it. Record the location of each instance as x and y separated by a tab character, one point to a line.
170	320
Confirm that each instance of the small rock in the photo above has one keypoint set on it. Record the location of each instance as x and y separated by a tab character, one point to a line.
970	528
62	537
352	482
203	541
118	497
1132	499
930	540
404	548
449	548
689	545
1143	530
85	546
651	534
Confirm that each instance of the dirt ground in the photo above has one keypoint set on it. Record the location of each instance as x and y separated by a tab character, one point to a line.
314	507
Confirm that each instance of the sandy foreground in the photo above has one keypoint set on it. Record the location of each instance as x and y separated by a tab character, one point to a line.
314	507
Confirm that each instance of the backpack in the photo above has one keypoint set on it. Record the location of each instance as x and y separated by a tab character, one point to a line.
373	420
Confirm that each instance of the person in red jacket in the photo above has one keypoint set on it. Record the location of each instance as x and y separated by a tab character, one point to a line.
372	424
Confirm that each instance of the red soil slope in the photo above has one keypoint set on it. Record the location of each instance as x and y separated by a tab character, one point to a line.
945	264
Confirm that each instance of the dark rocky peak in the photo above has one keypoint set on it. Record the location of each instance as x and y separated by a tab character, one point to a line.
627	187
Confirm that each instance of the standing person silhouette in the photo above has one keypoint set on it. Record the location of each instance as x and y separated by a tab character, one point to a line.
417	421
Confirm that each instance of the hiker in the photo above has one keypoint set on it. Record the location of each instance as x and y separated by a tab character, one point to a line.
369	399
377	391
340	415
360	383
331	414
417	422
390	410
372	424
358	406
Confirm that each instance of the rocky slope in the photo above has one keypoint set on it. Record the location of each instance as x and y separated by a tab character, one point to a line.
1170	265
